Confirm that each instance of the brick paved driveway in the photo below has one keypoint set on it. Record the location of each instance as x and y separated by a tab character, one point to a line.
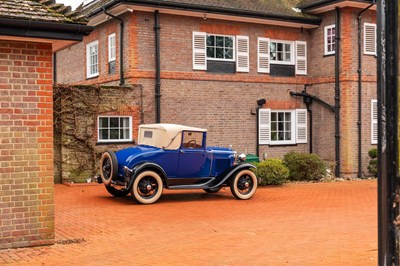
295	224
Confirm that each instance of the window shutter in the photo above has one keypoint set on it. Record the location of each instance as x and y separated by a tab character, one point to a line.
263	55
199	51
301	126
369	38
242	46
301	58
264	131
374	122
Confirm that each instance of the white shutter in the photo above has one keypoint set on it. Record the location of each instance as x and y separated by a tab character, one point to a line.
264	126
263	55
242	54
301	126
199	51
374	122
301	58
369	38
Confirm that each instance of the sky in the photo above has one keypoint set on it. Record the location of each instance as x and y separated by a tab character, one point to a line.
73	3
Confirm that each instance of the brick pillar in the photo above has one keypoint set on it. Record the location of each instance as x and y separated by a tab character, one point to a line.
349	92
26	145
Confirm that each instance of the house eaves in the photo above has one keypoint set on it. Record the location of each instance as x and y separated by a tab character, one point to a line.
316	7
41	21
285	17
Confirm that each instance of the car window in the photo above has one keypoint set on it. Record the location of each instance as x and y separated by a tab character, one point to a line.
192	140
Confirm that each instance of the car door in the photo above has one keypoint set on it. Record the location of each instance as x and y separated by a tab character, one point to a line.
193	159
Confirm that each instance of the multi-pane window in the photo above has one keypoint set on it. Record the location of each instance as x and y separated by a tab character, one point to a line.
92	59
111	48
281	52
220	47
114	128
329	40
282	126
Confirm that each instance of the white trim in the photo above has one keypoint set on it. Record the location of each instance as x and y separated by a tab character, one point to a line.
370	38
199	51
114	140
292	128
374	121
264	126
112	44
301	126
263	55
234	48
292	54
326	52
301	58
242	48
89	74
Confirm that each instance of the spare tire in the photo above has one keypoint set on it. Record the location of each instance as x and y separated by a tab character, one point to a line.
108	167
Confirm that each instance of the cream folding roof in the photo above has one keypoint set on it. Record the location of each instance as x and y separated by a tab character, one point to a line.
166	136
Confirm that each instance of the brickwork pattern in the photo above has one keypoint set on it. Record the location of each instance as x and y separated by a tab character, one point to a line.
178	78
294	224
26	145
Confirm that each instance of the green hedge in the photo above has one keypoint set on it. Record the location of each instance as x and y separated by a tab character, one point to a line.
304	167
373	163
272	172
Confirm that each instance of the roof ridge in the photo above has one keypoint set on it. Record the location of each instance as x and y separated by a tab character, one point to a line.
66	11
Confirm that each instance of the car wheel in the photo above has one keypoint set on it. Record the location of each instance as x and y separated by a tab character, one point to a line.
147	187
244	184
117	192
212	190
108	167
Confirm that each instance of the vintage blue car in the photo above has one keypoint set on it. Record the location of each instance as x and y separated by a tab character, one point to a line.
174	157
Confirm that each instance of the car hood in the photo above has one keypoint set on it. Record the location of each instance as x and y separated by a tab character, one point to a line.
127	156
219	149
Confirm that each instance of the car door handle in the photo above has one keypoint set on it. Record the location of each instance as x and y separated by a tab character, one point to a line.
182	151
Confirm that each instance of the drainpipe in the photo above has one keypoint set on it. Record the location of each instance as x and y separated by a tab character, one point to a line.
260	104
337	93
158	65
359	122
54	68
121	46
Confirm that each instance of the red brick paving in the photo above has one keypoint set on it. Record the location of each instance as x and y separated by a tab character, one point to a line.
295	224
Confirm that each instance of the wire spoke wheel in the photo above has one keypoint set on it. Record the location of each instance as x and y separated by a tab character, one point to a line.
244	184
147	187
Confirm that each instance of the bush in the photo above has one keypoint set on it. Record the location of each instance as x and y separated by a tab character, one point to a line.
304	167
373	163
272	172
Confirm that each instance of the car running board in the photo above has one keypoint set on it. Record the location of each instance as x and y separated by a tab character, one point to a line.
203	185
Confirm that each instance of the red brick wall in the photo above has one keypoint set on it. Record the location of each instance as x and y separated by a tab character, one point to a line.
237	93
26	145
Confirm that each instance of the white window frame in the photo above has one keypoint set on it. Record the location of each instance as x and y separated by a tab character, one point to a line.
366	49
113	140
292	128
233	48
374	121
292	53
326	36
112	47
89	64
298	127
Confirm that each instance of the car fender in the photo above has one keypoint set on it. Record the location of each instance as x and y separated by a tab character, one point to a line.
232	171
137	169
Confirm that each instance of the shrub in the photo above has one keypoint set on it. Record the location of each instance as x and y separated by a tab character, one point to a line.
373	163
272	172
304	167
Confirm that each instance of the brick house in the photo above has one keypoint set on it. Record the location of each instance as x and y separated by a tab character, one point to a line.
30	32
211	64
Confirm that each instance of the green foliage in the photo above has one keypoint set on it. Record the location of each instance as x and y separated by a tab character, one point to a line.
373	163
271	172
373	153
304	167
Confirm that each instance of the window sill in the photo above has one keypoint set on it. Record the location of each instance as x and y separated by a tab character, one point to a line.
92	77
99	143
282	144
328	55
